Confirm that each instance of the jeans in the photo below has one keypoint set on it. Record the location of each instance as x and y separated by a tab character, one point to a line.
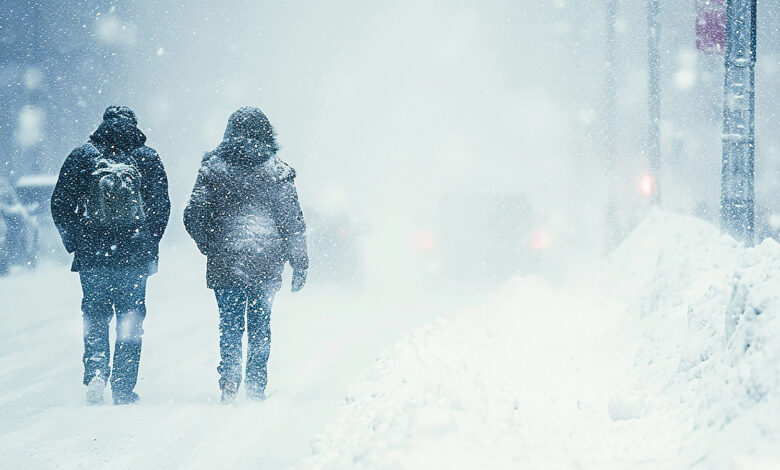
239	307
108	291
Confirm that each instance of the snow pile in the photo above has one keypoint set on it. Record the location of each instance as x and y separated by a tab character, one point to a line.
668	355
710	348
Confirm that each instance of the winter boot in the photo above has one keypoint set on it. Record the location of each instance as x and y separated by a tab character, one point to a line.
229	392
125	398
95	391
255	394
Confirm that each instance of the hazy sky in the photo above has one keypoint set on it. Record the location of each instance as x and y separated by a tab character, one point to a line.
386	109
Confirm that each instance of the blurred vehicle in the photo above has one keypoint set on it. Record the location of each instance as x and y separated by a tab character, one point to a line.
18	231
34	193
334	249
484	237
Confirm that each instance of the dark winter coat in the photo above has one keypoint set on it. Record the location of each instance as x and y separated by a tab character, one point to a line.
120	139
244	213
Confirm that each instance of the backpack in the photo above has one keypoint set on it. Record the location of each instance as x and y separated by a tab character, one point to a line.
115	191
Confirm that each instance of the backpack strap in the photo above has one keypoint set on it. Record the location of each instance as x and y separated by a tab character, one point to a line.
93	151
94	148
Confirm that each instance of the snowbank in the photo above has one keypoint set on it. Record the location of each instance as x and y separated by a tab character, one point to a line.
666	356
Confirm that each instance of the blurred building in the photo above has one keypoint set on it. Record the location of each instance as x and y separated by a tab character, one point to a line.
56	64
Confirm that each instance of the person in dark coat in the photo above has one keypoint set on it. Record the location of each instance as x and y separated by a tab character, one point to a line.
113	256
245	217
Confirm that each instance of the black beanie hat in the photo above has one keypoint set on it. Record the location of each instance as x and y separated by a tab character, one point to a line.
120	112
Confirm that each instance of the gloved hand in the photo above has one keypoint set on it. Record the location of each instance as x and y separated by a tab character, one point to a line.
298	280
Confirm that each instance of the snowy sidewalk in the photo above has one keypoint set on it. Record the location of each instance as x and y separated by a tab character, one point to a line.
321	339
635	366
632	367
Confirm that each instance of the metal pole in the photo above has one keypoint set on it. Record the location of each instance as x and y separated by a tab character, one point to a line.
610	124
654	96
737	176
611	86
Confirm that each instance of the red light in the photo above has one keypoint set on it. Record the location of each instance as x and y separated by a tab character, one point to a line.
646	184
540	240
425	240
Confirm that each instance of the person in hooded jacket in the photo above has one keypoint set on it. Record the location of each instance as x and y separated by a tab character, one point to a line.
245	217
113	260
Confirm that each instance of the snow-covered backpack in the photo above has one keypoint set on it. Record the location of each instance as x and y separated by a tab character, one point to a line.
115	191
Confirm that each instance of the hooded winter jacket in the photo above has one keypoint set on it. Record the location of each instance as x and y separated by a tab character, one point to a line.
244	213
95	246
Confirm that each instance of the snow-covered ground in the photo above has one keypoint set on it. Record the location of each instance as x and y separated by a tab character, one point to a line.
322	338
665	356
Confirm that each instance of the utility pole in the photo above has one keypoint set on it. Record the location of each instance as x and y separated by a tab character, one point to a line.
737	175
610	124
611	86
654	98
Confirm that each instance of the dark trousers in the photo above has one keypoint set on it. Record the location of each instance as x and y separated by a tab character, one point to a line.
108	291
240	307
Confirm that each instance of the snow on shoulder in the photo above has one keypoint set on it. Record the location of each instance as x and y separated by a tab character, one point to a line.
667	357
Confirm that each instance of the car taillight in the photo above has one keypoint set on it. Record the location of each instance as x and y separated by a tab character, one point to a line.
540	240
425	240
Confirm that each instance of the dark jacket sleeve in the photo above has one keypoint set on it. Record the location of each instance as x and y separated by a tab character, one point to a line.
196	214
156	198
65	200
289	221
